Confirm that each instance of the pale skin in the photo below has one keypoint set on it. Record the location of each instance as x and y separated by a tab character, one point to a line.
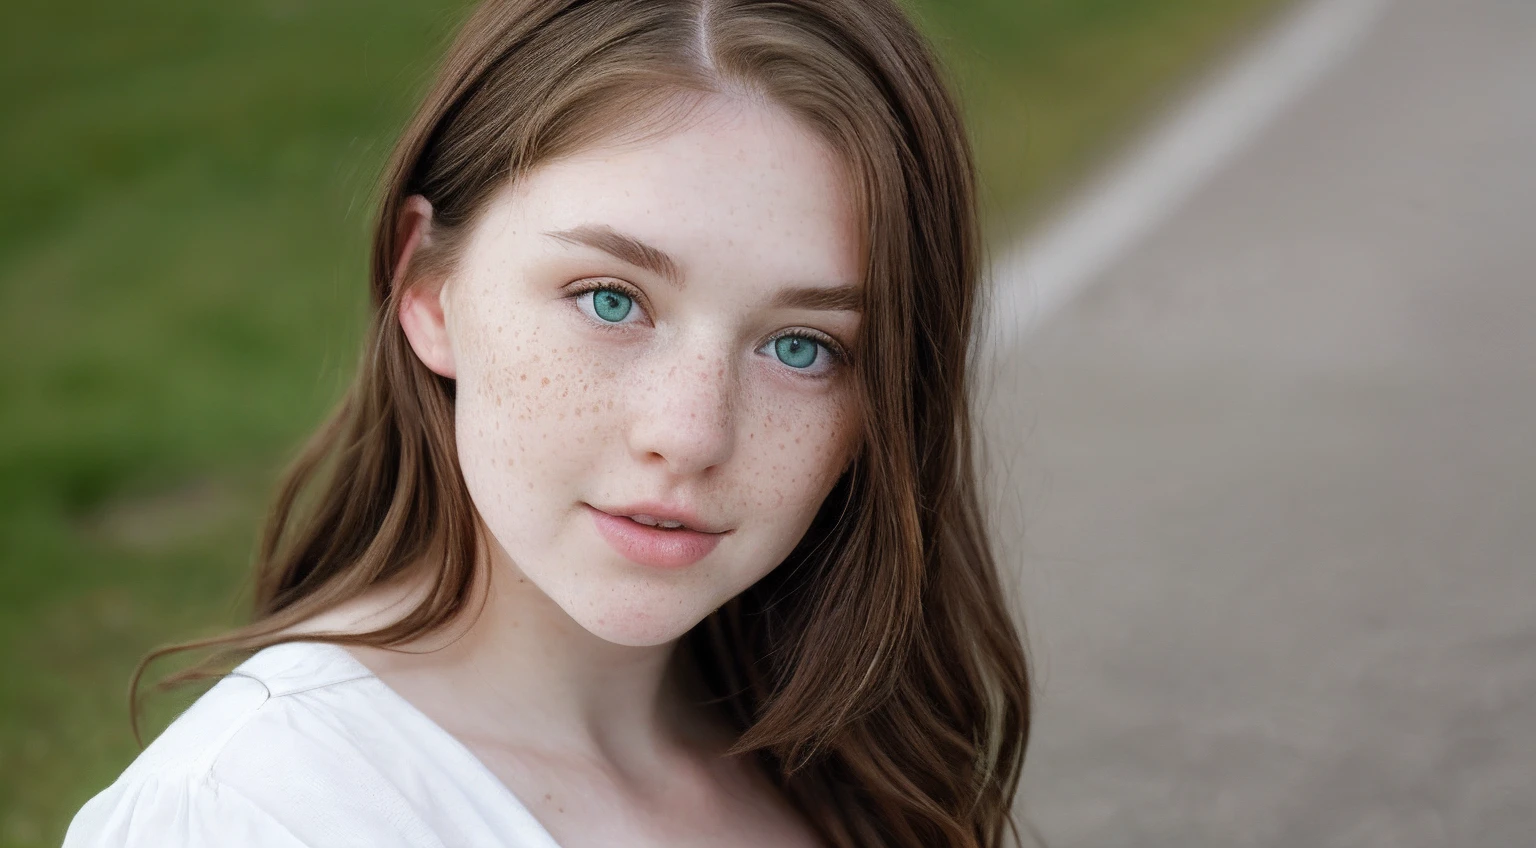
567	685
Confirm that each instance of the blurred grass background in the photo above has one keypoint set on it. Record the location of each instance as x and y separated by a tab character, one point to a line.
187	195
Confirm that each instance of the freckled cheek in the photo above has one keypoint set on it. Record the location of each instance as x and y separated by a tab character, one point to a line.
796	454
536	394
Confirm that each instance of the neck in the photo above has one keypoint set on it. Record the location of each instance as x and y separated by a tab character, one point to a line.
515	653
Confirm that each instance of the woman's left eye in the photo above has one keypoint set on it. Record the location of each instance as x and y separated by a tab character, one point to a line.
805	353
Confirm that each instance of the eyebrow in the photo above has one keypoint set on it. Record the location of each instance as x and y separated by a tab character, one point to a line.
626	248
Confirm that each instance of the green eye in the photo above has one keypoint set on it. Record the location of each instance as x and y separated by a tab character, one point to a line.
796	351
611	305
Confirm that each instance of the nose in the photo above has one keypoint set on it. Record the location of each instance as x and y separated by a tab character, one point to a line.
684	416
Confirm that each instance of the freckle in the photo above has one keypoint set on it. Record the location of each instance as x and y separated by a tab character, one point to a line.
498	401
544	382
523	377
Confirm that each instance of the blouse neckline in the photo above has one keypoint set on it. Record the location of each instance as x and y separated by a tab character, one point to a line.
450	744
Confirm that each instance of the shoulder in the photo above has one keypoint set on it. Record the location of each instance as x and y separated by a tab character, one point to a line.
176	811
273	754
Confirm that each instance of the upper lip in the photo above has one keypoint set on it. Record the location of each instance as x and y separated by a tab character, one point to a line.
663	512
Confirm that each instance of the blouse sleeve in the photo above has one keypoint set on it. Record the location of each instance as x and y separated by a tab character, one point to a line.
176	811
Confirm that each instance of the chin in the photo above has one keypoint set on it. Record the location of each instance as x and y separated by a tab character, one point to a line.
634	627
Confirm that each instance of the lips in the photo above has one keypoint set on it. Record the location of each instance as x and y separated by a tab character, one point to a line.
653	546
657	514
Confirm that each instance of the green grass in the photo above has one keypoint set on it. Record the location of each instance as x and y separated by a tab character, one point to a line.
181	291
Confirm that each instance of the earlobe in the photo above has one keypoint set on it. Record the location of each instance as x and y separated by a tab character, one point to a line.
422	316
426	327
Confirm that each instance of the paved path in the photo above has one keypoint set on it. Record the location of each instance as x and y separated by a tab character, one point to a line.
1270	482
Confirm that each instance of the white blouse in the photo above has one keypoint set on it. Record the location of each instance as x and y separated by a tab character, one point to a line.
301	746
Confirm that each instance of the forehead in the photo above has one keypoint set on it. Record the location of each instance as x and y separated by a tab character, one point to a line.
739	184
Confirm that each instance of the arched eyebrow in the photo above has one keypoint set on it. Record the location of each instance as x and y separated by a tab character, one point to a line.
623	247
821	298
627	248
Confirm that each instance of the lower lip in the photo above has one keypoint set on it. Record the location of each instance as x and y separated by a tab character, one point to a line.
653	546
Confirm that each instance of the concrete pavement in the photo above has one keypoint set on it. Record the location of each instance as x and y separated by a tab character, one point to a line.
1269	483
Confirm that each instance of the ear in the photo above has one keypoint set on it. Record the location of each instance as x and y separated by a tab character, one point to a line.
421	305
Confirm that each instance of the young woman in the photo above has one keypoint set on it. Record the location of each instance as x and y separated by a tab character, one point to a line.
651	517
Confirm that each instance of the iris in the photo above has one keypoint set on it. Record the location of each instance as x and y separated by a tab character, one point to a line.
796	352
611	305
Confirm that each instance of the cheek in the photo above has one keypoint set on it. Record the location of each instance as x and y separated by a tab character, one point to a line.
531	413
796	453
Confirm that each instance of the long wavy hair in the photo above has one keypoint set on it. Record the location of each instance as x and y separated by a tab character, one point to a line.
877	675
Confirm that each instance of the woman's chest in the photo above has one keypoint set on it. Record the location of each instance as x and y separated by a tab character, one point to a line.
584	805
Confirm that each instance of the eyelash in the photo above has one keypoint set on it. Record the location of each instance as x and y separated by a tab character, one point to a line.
827	343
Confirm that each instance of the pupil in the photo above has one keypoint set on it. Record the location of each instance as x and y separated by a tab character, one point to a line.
611	305
795	351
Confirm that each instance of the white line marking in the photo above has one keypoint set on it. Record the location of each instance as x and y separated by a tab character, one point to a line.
1035	278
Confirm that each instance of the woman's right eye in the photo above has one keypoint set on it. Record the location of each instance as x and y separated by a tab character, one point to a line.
608	305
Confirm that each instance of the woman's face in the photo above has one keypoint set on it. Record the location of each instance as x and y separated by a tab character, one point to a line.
656	329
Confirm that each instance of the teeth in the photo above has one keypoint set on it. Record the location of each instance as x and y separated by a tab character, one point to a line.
653	522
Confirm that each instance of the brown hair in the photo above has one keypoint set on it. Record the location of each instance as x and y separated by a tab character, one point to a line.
876	674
